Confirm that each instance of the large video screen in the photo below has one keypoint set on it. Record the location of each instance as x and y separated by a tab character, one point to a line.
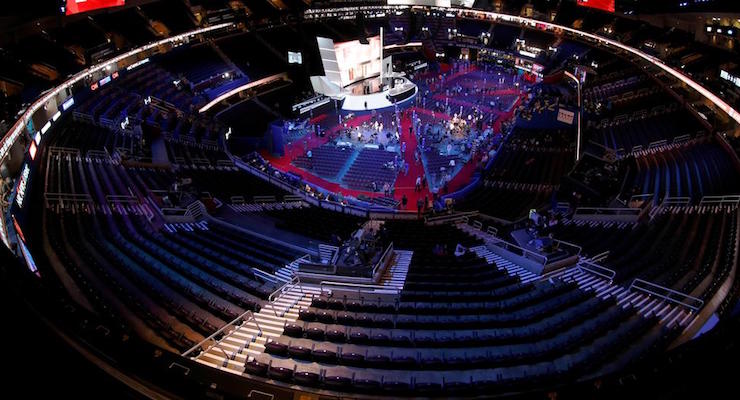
349	62
80	6
357	61
606	5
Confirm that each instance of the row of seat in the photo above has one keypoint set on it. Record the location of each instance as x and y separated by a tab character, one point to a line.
447	358
460	321
537	330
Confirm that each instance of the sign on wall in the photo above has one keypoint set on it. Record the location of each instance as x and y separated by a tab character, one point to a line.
566	116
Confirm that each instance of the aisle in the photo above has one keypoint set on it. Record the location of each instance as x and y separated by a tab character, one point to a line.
405	183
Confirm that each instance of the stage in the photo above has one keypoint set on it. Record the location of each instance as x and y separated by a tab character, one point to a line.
370	94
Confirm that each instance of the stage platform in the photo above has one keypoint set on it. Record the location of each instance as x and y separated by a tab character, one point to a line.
370	95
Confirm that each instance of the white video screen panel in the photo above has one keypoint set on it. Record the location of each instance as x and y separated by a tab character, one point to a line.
295	57
357	61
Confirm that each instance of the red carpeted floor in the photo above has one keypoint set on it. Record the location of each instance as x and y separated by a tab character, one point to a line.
406	183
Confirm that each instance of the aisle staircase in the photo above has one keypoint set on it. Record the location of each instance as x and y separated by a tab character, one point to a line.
230	352
229	348
287	272
592	277
395	275
503	264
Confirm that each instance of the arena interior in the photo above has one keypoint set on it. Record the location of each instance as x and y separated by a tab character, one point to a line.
332	199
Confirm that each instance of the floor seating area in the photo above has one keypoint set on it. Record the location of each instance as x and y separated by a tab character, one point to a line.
438	165
369	167
325	161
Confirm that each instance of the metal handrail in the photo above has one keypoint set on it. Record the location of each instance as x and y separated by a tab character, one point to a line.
681	138
60	195
223	328
616	209
494	219
173	211
261	393
681	201
333	250
358	286
600	256
506	245
730	199
638	197
657	143
296	281
607	210
597	269
382	260
265	275
697	303
449	217
576	248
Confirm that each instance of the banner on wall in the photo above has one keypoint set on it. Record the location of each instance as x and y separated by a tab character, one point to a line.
566	116
80	6
605	5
